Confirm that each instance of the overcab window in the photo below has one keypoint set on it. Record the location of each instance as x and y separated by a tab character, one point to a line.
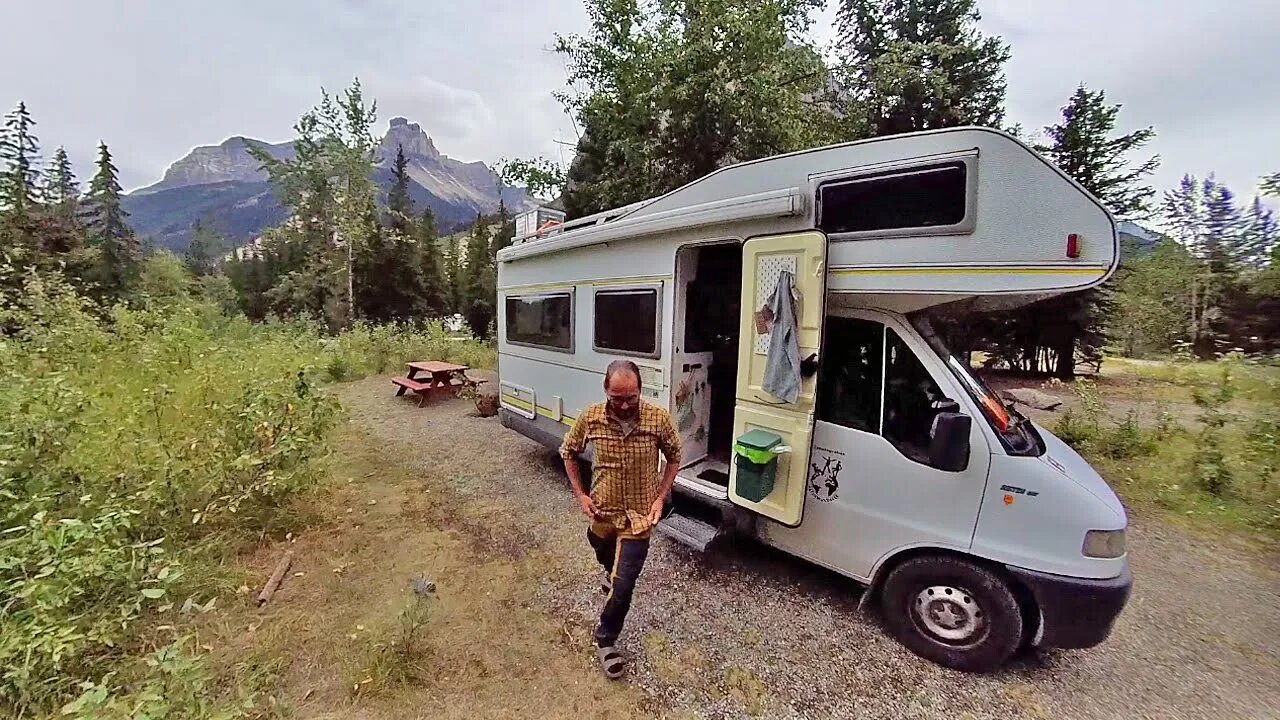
929	196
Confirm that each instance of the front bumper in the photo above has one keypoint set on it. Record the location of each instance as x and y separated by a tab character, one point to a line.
1075	612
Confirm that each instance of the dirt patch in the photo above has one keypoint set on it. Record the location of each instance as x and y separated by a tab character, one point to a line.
743	632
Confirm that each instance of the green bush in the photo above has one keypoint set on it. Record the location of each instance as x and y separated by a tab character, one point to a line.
134	442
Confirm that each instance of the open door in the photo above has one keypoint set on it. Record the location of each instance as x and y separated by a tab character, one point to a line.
763	259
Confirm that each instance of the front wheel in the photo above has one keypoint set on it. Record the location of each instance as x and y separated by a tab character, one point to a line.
953	612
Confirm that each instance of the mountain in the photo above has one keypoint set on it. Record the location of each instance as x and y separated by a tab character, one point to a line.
225	187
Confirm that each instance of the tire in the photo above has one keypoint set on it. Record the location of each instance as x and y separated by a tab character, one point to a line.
952	611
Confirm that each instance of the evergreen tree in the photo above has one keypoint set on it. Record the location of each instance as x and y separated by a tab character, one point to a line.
917	65
19	152
1183	210
1260	235
431	267
62	192
105	222
399	204
203	255
1222	238
1084	147
506	231
480	290
1083	144
454	276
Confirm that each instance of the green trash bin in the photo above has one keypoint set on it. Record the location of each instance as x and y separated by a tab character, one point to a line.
757	464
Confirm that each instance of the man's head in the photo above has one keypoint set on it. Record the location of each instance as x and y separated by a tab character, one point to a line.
622	386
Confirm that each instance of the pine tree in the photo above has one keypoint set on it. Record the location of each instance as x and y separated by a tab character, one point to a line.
1084	147
61	190
19	151
1083	144
506	231
1261	234
479	292
431	267
1183	210
203	255
917	65
399	204
104	220
1220	244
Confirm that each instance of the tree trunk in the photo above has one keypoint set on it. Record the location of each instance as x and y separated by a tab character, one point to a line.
1066	365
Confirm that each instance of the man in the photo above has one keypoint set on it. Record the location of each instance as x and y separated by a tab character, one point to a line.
626	496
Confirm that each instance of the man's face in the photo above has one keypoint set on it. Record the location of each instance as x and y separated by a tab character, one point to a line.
624	395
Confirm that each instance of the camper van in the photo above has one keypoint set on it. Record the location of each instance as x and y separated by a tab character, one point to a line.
976	531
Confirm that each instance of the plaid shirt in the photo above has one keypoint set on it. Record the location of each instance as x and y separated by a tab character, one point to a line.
624	478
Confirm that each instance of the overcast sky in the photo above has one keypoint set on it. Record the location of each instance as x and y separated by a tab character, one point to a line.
154	79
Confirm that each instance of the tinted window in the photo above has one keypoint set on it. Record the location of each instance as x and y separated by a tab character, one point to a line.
909	394
921	197
543	320
850	377
626	321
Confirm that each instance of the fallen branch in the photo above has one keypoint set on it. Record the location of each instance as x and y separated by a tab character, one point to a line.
277	576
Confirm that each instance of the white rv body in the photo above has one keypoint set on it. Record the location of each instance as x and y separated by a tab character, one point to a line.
874	232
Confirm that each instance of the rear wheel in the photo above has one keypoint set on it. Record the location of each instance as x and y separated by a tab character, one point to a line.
953	612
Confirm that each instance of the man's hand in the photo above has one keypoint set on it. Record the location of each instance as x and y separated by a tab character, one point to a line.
588	507
655	512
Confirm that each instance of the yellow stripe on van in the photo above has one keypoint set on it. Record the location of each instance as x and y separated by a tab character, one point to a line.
961	270
513	400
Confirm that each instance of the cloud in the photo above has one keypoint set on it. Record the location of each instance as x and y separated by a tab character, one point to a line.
155	79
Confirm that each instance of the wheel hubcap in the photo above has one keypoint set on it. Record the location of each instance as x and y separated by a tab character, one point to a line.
949	614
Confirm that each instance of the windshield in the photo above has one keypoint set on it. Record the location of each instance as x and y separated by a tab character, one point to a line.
1016	433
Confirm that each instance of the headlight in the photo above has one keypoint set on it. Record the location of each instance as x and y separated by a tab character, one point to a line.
1103	543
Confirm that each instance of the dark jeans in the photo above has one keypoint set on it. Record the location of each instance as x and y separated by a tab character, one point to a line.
623	557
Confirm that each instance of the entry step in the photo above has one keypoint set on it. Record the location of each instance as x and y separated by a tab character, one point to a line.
689	531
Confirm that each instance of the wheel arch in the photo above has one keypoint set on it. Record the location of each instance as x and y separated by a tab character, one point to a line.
1026	600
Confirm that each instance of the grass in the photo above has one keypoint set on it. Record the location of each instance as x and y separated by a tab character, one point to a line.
473	648
1198	442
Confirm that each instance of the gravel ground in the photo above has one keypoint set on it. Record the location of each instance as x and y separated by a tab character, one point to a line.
747	631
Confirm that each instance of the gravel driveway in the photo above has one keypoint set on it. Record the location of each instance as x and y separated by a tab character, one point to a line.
747	631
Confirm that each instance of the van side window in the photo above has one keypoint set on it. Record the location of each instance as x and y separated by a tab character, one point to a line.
850	379
909	394
541	320
919	197
626	321
865	365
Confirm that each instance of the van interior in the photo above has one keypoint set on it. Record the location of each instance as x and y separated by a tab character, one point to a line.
707	329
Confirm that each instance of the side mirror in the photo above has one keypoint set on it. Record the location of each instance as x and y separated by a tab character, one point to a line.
949	441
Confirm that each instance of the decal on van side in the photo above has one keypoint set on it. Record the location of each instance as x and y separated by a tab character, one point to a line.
824	475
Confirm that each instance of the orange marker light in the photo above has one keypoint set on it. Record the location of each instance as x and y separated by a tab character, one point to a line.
1008	499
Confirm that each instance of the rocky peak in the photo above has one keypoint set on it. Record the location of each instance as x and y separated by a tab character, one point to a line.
411	137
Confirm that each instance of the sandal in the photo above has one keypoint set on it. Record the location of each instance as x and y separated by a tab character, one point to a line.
611	662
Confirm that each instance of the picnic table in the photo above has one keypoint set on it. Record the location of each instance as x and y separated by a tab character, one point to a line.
431	377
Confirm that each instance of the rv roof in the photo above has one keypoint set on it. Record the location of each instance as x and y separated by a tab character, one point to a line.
782	186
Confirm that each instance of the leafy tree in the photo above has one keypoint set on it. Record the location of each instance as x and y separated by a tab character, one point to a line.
19	152
105	222
667	92
329	188
1154	301
542	177
917	65
203	256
